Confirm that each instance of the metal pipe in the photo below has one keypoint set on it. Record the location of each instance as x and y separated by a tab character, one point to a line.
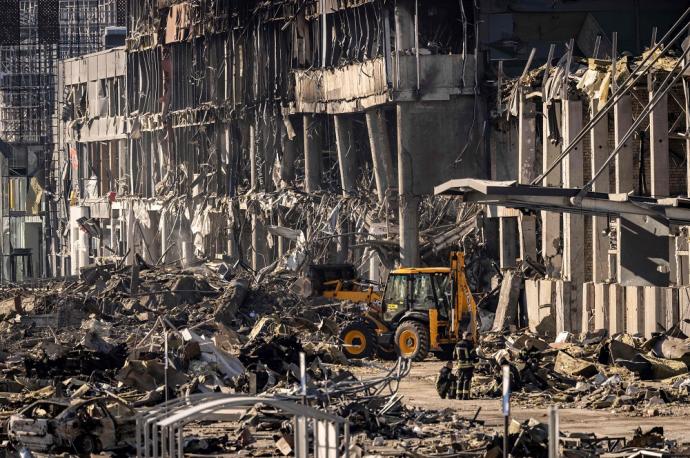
615	97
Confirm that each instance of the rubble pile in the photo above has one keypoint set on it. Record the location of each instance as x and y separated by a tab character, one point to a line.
622	373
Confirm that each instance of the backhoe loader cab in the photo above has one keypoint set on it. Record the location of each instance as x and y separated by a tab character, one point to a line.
422	310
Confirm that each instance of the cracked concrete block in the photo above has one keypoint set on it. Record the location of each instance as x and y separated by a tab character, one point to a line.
654	309
601	305
634	308
588	301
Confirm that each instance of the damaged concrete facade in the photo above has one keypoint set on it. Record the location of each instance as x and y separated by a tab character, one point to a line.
248	126
597	118
278	133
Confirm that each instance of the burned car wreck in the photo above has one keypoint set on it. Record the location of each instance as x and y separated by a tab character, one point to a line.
85	426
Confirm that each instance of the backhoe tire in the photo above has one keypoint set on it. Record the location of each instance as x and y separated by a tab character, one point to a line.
358	340
412	340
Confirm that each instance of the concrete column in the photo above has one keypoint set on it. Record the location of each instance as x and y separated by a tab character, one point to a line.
79	240
253	159
550	221
404	25
588	307
527	165
573	224
547	304
380	151
600	242
528	237
684	309
616	309
654	309
634	310
259	251
601	305
672	307
532	303
312	153
409	230
658	147
131	248
508	229
622	120
527	148
347	157
563	307
288	141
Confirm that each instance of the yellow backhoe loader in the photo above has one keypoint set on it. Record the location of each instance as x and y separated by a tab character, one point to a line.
422	310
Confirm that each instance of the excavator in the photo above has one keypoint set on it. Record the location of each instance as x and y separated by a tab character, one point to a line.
422	310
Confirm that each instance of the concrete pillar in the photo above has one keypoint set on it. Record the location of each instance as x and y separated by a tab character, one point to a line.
600	242
527	137
601	305
288	143
573	224
404	25
347	157
672	307
547	302
380	151
563	306
409	230
616	309
527	164
312	153
654	309
532	303
622	120
550	221
253	159
79	240
259	244
588	307
528	237
508	230
658	147
131	221
684	309
634	310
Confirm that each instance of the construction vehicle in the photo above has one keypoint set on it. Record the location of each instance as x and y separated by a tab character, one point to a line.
422	310
336	281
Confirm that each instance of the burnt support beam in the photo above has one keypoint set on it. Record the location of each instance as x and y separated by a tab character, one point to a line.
259	245
409	230
347	157
508	228
380	152
288	143
312	153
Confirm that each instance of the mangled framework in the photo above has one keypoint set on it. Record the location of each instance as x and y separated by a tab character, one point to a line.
246	119
644	152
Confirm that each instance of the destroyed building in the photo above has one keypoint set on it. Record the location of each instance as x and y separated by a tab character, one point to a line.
273	132
34	36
